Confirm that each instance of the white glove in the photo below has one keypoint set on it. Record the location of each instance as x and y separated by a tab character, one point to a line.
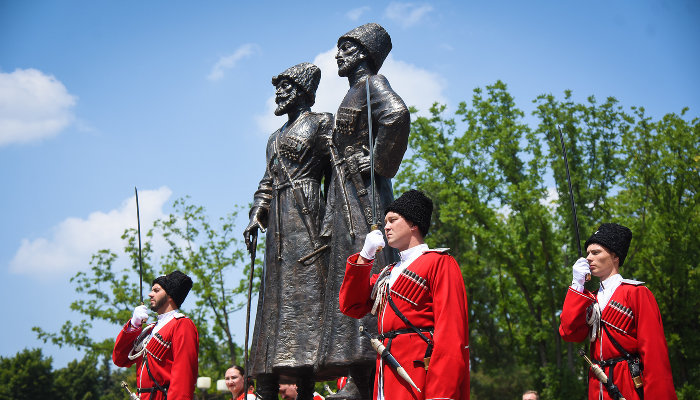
373	241
140	314
580	269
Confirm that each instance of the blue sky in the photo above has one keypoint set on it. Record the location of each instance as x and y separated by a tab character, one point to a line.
174	97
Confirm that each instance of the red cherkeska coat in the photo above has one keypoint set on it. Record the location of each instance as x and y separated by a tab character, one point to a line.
633	319
431	294
172	360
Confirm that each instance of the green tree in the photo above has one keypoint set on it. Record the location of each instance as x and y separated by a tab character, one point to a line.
27	375
502	206
659	200
208	254
79	380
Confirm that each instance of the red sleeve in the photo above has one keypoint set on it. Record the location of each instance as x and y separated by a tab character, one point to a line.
354	297
573	326
185	360
448	372
658	382
123	345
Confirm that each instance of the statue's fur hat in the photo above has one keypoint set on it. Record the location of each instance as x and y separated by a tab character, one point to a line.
176	285
614	237
414	206
374	39
306	75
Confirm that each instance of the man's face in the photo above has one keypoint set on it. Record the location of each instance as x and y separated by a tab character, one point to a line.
398	231
286	96
603	262
288	392
159	298
530	396
349	56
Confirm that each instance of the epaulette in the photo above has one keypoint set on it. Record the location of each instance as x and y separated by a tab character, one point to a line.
442	250
179	315
632	282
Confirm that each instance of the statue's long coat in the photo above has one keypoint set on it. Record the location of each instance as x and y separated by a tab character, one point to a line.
287	327
342	346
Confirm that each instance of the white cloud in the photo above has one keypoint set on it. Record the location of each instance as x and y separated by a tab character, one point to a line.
416	86
33	106
230	61
70	245
356	13
552	198
407	14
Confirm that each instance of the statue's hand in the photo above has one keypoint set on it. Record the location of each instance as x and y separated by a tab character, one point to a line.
364	163
256	223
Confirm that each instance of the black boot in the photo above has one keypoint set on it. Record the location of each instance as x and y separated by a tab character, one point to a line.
305	387
358	387
268	386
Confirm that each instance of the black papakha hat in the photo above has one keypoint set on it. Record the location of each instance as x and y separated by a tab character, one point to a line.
306	75
414	206
615	237
374	39
176	285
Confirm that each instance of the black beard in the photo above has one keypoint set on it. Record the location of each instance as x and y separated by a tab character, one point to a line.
343	70
159	304
284	106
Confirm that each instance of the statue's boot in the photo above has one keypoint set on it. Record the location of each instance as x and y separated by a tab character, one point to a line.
358	387
268	386
305	387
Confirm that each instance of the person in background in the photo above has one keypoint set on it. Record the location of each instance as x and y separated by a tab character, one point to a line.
289	392
531	395
234	381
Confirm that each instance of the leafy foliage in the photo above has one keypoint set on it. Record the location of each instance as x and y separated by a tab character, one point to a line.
207	253
502	206
25	376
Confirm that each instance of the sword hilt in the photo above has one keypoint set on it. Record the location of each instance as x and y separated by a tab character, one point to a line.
375	227
132	396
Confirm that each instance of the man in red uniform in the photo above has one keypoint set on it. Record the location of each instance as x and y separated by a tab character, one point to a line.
622	322
167	362
421	304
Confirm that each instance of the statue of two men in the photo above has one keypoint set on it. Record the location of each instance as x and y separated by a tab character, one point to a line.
315	200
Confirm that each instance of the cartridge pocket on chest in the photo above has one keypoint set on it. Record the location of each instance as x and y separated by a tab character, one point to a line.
292	148
619	316
411	287
158	347
346	120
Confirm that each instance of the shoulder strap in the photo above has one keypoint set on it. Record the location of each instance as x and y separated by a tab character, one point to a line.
617	345
408	323
156	385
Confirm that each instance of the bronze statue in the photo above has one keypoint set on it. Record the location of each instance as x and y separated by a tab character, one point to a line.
348	219
289	203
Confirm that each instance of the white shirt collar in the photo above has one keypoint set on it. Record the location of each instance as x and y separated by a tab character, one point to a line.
611	283
413	252
166	315
407	257
163	319
607	288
